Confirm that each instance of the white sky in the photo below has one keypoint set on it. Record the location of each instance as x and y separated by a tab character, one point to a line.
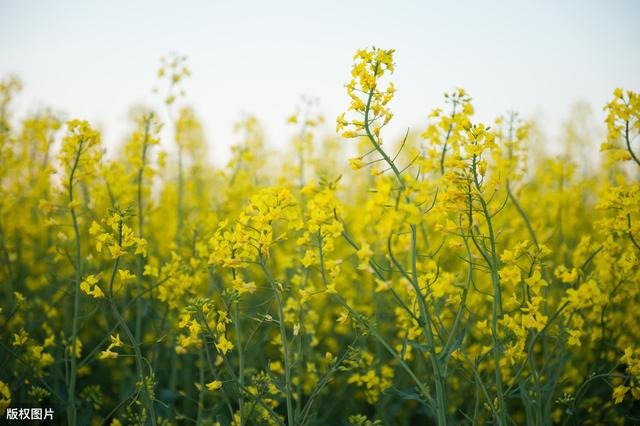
94	59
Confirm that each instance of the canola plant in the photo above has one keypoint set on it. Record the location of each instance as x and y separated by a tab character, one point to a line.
458	276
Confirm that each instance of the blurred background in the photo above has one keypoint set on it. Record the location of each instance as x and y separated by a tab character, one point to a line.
95	59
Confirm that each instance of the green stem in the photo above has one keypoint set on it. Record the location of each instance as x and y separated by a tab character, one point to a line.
132	340
201	390
628	142
446	139
285	346
441	406
71	404
423	389
426	317
243	388
236	322
496	309
140	258
180	195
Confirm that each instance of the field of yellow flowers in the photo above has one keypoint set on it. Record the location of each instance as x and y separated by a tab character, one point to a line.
460	276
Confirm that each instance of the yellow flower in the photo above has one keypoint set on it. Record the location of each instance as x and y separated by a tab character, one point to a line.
141	247
5	397
214	386
276	367
535	280
243	287
150	271
20	338
310	258
115	341
223	345
364	255
510	274
356	163
125	275
97	292
574	338
87	283
483	326
116	251
107	354
382	285
78	348
619	392
95	228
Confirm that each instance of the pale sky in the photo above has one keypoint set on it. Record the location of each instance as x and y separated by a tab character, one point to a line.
94	59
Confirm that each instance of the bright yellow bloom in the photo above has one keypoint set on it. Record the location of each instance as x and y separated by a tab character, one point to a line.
223	346
619	392
214	386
